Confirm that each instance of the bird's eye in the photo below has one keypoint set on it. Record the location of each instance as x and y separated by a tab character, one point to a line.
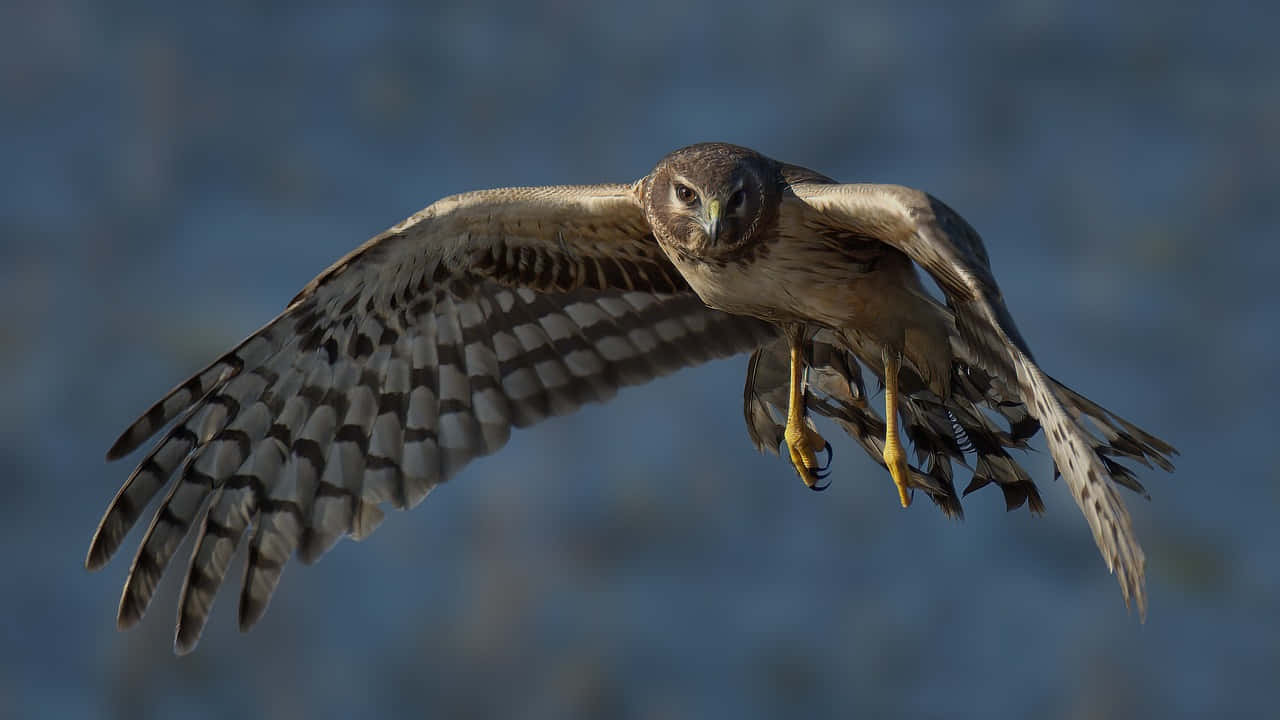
685	194
736	200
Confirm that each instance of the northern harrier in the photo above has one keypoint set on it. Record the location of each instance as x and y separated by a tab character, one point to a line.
420	350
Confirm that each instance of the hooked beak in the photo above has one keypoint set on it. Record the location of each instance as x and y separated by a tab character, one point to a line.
711	221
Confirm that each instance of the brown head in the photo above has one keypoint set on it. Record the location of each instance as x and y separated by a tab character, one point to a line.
710	200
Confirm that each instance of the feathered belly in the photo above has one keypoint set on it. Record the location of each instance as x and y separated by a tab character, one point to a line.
785	289
882	302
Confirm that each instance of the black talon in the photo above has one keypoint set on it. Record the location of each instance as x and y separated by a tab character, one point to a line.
831	455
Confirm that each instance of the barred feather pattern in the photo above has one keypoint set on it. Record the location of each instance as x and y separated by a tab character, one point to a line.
423	347
305	447
1083	438
381	380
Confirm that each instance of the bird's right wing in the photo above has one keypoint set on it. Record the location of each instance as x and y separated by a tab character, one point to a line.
409	357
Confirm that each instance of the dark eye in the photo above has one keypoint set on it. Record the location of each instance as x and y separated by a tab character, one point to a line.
685	194
736	200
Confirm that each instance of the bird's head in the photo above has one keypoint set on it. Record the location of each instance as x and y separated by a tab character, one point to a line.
709	200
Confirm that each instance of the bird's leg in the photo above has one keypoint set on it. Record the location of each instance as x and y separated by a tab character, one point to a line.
895	457
803	442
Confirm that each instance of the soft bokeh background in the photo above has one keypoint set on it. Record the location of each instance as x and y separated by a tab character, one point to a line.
170	177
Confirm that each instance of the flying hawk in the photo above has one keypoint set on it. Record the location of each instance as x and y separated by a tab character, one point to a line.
423	347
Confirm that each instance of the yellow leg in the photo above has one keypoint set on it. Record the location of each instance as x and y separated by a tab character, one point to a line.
895	457
802	441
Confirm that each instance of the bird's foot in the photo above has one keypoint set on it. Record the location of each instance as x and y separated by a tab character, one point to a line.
896	459
804	443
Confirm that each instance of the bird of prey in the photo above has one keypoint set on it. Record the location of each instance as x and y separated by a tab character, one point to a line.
424	346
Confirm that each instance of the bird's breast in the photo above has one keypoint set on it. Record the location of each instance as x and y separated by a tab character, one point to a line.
782	281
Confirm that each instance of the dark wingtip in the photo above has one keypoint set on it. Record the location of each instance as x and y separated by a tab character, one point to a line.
138	431
121	447
97	557
130	612
248	615
102	547
250	610
187	636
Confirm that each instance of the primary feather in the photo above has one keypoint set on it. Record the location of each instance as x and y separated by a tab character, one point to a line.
422	348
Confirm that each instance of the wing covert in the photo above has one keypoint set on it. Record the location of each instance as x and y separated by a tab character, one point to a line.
407	358
944	245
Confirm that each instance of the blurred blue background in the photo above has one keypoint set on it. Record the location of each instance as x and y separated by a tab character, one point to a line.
170	177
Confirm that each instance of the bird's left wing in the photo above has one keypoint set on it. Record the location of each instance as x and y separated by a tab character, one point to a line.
409	357
944	245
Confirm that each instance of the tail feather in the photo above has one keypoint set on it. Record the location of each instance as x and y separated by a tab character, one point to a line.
1122	437
1077	455
985	418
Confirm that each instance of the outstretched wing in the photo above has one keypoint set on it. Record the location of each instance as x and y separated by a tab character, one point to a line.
941	242
407	358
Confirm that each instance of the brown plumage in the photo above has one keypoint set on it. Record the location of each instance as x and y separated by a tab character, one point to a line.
420	349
